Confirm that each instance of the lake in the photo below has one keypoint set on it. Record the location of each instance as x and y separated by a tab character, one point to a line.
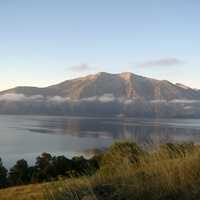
28	136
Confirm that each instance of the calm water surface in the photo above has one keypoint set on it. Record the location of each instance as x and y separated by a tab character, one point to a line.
29	136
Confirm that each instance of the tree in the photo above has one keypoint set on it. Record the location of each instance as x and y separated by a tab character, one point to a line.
62	165
19	173
3	175
80	165
45	168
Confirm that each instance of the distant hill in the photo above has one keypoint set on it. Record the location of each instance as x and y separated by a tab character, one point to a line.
124	85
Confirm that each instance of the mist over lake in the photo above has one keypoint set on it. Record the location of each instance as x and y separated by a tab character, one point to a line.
28	136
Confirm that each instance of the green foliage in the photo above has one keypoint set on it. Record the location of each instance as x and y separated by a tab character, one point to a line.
62	165
47	168
19	173
82	166
3	175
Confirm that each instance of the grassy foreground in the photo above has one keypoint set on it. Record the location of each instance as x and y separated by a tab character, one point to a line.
127	172
29	192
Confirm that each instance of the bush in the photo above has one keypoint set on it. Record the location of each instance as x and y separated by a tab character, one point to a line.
121	154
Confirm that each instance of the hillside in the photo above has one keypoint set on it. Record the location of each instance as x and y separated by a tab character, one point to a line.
123	85
28	192
105	94
127	172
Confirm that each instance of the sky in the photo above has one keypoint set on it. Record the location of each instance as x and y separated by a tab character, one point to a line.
43	42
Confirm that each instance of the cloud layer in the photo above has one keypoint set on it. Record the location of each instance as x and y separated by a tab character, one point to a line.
80	68
162	62
105	98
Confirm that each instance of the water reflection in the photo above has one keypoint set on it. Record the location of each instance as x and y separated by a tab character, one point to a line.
139	130
29	136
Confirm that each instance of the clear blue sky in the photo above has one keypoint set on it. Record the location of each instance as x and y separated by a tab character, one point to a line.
43	42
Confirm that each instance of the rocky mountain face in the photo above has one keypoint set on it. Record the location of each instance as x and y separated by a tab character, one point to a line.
124	85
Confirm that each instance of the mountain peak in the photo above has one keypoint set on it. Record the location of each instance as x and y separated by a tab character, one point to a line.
94	76
126	75
123	75
102	73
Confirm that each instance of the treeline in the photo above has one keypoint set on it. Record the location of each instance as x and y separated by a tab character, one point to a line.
46	168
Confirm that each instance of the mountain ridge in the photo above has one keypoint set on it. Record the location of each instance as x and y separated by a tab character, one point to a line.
125	85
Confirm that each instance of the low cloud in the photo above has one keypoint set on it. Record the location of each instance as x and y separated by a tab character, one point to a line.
175	101
12	97
158	101
105	98
184	101
57	99
20	97
93	98
162	62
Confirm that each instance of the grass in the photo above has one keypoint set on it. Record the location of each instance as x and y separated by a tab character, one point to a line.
127	172
29	192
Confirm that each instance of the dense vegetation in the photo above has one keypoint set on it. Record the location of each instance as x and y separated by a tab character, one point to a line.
124	172
46	168
129	173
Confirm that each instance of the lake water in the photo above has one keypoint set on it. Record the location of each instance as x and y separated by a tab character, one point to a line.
28	136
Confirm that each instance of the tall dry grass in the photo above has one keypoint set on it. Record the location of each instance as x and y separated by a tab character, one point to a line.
171	172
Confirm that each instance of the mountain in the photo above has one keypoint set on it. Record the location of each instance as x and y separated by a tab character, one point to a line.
105	94
124	85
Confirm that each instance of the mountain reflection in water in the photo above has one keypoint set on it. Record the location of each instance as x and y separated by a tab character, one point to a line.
29	136
139	130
